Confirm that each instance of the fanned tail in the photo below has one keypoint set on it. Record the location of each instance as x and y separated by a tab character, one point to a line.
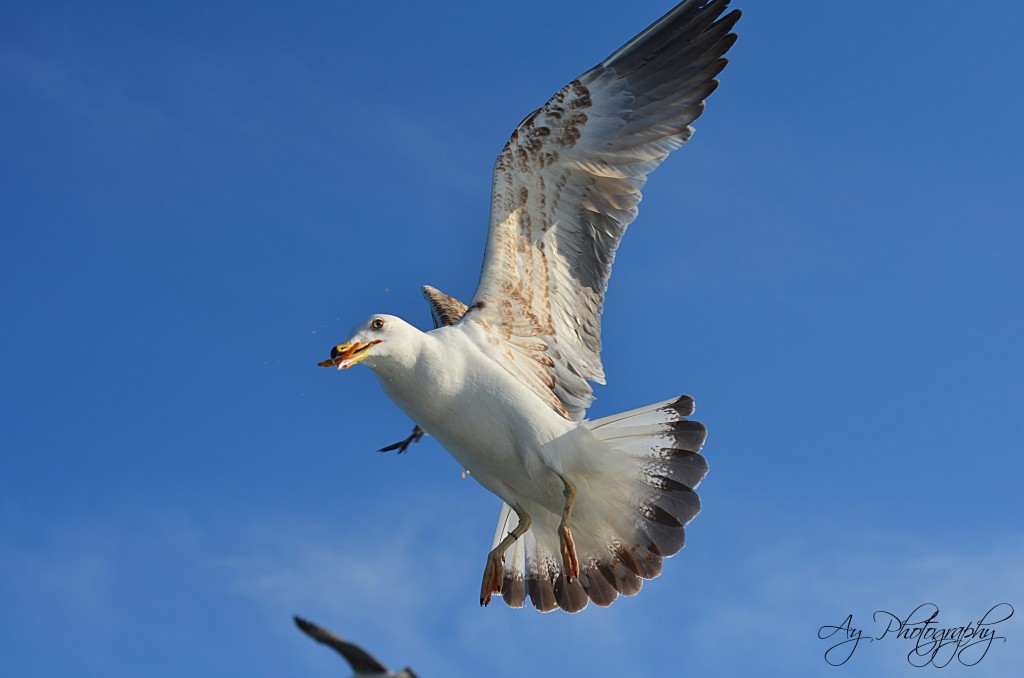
631	512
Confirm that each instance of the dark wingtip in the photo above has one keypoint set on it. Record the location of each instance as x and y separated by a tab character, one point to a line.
683	406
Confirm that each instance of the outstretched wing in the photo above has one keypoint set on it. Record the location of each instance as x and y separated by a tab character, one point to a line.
361	661
567	185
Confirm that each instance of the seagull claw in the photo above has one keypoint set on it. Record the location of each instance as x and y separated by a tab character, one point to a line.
570	560
494	571
402	446
493	574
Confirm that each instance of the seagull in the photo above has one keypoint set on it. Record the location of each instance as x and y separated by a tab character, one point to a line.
591	508
362	662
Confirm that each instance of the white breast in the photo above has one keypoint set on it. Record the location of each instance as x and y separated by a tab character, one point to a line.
493	425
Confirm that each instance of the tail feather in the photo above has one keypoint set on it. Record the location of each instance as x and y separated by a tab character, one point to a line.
599	584
542	571
659	413
534	568
570	595
628	518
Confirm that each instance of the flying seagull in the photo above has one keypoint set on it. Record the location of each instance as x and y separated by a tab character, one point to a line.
591	508
362	662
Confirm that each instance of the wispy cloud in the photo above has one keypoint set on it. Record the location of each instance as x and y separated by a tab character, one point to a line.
64	573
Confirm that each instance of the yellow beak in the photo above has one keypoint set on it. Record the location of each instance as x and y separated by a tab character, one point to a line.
344	356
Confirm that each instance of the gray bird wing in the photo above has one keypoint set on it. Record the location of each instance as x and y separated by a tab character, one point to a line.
360	660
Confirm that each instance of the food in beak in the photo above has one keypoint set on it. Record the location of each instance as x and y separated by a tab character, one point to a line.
344	356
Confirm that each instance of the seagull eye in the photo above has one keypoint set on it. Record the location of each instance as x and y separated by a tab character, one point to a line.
378	323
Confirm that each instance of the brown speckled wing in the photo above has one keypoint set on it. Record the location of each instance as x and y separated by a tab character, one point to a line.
444	310
567	185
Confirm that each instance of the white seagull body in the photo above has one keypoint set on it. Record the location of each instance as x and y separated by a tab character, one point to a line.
591	507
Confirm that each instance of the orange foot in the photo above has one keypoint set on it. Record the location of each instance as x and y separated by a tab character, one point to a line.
569	558
493	574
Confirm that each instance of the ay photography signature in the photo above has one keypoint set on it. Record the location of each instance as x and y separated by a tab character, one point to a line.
933	641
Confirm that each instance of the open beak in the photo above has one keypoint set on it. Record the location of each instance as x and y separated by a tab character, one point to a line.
344	356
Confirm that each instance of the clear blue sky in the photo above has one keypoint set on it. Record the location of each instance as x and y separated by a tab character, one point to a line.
198	199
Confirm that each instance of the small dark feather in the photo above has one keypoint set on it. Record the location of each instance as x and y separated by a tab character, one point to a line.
651	567
661	516
670	540
683	406
627	582
513	591
689	435
570	595
542	594
626	558
666	484
599	586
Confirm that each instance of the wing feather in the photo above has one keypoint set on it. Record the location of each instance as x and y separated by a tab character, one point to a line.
566	186
444	309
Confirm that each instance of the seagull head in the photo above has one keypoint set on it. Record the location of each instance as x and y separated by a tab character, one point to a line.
378	340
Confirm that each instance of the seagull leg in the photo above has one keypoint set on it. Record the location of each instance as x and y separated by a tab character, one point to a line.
402	446
569	558
494	572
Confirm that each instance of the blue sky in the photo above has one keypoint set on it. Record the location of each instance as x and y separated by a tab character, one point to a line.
199	199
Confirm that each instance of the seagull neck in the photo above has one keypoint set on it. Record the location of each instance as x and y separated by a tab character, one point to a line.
417	369
403	357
